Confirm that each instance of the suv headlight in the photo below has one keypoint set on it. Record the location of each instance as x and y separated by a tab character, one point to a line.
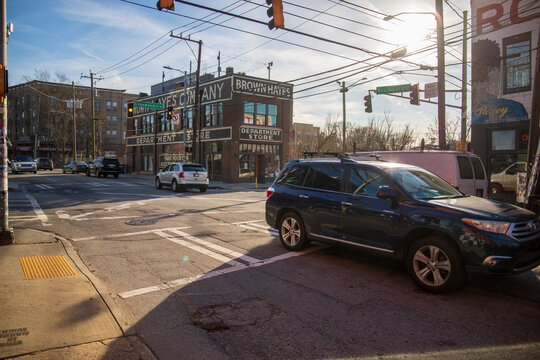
491	226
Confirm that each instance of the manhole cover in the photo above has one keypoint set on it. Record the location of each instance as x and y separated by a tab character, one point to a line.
141	222
187	211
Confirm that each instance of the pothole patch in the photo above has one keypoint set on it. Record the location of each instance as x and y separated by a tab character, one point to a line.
139	222
251	311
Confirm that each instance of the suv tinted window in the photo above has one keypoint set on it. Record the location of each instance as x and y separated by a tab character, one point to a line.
193	168
110	161
326	177
478	169
465	169
295	176
365	182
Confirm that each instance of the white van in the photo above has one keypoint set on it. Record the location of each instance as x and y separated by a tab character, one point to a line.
463	170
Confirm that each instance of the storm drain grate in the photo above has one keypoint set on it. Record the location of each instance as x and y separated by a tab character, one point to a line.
44	267
141	222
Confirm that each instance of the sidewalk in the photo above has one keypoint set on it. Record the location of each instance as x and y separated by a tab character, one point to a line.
58	314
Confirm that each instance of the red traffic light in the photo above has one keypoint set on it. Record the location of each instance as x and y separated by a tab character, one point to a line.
415	92
275	11
367	103
165	4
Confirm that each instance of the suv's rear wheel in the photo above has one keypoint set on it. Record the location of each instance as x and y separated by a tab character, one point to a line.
435	264
158	183
292	232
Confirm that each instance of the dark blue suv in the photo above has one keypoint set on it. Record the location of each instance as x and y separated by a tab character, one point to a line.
405	212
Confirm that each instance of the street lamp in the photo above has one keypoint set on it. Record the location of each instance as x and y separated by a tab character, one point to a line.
441	91
184	116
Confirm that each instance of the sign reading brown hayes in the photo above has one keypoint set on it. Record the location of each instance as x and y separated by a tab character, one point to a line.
260	133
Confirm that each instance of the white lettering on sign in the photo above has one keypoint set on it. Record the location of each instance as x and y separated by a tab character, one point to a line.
260	134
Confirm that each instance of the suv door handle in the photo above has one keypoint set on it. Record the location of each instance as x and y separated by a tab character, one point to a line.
303	196
345	203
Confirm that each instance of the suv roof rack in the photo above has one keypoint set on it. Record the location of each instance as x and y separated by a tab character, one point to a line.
312	154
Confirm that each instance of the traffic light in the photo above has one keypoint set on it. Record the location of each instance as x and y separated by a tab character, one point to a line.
414	95
367	103
169	113
523	143
165	4
130	110
276	13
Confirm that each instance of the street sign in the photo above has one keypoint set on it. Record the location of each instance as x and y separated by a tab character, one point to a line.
149	105
175	119
393	89
430	90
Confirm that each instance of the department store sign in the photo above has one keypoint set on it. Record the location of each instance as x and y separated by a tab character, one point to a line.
212	91
258	133
178	137
255	86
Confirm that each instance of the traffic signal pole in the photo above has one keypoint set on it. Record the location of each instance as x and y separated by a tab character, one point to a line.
6	236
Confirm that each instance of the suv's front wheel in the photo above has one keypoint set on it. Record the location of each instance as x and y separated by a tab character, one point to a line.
435	264
292	232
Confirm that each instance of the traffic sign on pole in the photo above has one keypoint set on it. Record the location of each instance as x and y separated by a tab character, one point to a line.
149	105
430	90
393	89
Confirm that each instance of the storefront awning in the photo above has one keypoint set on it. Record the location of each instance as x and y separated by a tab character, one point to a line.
495	111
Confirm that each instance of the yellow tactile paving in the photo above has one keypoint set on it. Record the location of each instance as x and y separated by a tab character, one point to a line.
43	267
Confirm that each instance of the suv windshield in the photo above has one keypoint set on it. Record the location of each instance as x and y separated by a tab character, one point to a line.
23	159
110	161
421	184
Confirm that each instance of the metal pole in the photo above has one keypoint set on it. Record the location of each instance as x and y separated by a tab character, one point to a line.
343	90
196	132
93	116
464	82
74	124
184	117
155	141
6	237
440	74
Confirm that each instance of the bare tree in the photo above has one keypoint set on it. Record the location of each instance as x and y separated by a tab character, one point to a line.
453	131
329	136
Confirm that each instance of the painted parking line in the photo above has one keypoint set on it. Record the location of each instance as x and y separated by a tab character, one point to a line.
185	281
37	210
255	226
114	236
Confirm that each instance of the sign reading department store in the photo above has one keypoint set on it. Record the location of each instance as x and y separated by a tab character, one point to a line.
218	90
214	134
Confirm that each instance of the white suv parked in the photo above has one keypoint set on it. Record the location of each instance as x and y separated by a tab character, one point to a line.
180	176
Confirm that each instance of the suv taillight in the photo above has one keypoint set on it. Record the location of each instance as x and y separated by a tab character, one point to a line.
269	192
101	165
181	174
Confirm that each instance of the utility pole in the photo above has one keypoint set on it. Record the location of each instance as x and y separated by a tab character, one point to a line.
464	82
441	74
343	90
91	77
219	64
184	117
197	126
74	124
36	131
6	237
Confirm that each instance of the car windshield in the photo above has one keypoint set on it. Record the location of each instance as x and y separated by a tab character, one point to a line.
23	159
421	184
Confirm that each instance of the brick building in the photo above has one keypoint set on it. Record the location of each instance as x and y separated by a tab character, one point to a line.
246	133
40	121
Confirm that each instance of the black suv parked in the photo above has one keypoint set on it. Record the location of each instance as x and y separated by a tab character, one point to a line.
103	166
44	164
405	212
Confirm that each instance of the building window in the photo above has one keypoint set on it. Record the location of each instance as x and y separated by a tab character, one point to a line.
187	118
147	125
260	114
147	158
97	104
113	120
503	140
109	106
213	114
135	126
115	105
517	63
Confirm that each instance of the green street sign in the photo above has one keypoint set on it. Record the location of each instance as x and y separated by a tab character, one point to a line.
148	105
393	89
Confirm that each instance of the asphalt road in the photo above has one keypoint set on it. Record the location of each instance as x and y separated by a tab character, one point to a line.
201	276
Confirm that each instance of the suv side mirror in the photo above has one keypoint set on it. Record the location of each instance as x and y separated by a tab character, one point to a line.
387	193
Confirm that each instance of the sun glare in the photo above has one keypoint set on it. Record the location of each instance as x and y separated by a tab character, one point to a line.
414	31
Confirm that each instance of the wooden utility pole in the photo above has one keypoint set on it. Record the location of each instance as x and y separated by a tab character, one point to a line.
74	124
6	236
464	82
441	82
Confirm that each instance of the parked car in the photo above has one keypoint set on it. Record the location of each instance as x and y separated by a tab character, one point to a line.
181	176
23	164
103	166
44	164
74	167
405	212
506	180
463	170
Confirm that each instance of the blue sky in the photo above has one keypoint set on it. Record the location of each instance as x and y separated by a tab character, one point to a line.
128	43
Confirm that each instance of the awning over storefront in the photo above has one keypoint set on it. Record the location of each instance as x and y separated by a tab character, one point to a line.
494	111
